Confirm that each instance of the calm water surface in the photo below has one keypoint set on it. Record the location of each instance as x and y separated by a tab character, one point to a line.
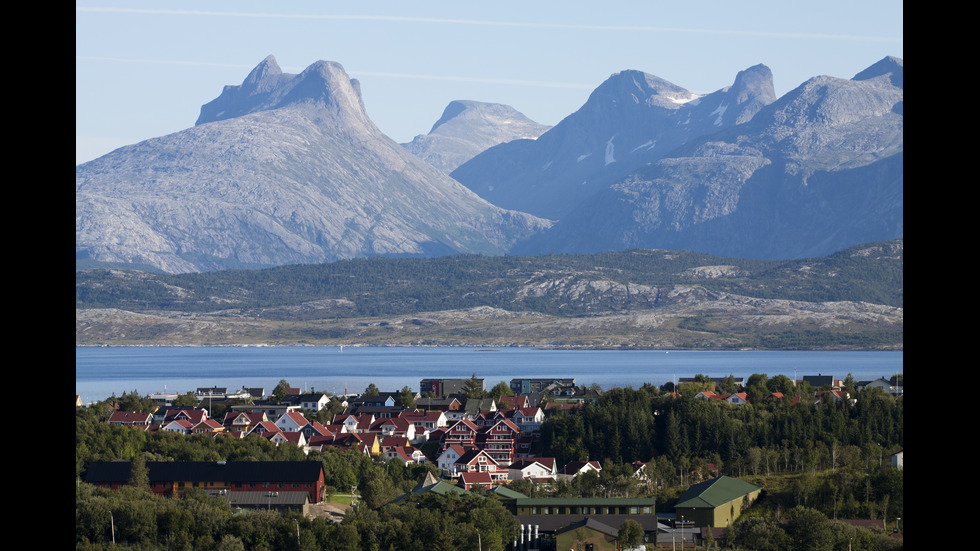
102	372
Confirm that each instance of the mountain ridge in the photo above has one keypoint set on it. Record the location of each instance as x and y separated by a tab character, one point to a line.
819	169
630	119
287	169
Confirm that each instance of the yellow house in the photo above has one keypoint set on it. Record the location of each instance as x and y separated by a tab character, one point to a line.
716	503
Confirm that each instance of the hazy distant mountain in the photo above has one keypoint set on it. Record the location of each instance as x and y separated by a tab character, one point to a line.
287	169
281	169
631	119
732	173
467	128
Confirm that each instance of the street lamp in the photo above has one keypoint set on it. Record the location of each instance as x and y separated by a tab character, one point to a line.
682	531
896	523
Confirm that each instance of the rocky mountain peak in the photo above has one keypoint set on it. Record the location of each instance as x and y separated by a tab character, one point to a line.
752	90
324	83
890	65
641	89
454	109
469	127
264	75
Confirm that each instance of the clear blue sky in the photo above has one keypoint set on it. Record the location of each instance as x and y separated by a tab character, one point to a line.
143	69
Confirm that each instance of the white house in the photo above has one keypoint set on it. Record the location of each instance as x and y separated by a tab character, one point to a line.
293	421
576	468
898	459
529	419
447	459
531	468
738	398
314	401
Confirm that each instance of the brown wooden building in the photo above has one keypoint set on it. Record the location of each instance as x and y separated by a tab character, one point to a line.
173	478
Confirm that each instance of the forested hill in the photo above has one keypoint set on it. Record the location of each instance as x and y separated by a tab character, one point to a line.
695	288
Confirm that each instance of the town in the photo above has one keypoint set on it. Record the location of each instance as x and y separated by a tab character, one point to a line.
479	441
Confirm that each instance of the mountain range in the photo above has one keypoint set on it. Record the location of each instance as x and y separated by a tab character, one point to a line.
289	169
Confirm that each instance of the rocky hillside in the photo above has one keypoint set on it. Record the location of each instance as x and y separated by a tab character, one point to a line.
630	299
282	169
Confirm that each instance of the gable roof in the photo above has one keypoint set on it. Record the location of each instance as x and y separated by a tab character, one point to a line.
431	484
476	477
130	417
716	492
575	467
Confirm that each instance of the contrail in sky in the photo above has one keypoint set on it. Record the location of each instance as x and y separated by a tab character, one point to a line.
355	74
537	25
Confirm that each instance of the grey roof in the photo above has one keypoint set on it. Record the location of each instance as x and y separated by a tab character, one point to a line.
561	523
268	498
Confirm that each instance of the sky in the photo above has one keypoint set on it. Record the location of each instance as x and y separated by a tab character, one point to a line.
144	69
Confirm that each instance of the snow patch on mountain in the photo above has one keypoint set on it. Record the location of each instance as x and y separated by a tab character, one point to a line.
610	150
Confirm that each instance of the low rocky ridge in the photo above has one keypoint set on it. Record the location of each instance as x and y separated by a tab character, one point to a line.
735	322
576	302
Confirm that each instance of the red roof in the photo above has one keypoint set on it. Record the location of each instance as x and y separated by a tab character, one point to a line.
130	417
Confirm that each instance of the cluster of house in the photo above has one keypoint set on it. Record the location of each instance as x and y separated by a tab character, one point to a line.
829	388
476	441
473	442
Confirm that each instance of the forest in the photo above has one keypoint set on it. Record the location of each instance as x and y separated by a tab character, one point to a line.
816	460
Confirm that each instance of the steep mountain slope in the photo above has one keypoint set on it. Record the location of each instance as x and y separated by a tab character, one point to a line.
282	169
467	128
631	119
816	171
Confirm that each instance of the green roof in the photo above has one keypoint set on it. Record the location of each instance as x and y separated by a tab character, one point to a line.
507	493
716	492
430	484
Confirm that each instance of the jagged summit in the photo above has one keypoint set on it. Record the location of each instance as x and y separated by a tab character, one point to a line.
266	87
264	75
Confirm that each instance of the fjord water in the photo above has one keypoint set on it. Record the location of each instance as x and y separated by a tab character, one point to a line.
101	372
